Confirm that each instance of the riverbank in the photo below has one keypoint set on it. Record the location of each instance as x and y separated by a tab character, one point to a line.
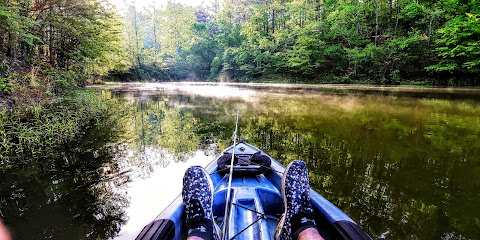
33	131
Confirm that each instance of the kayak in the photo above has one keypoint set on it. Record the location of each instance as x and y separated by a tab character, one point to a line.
255	205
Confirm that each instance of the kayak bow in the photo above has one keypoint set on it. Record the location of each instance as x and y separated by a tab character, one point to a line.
255	203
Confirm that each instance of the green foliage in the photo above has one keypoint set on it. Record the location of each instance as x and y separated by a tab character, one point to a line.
459	45
17	24
5	85
83	37
412	12
390	63
382	42
64	81
35	131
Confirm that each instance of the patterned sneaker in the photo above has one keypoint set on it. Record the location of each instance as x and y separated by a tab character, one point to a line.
197	195
298	214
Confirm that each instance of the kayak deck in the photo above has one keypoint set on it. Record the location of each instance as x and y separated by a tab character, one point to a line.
255	206
255	209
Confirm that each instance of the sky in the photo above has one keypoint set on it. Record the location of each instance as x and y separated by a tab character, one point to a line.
144	3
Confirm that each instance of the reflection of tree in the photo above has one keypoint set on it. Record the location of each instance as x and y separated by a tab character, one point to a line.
74	195
404	166
155	132
399	166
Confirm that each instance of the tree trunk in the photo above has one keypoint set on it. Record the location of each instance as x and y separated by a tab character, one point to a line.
430	30
154	36
356	15
398	11
273	20
11	45
215	9
51	37
136	35
390	14
376	22
136	42
266	22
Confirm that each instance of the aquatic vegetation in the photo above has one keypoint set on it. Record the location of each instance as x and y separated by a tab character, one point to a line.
37	130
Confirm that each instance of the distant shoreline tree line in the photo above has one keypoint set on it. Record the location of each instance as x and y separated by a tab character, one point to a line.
315	41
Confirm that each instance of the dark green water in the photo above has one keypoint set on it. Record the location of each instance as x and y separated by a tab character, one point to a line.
403	168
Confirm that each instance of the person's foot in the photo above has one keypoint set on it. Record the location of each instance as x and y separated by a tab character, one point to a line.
197	195
298	214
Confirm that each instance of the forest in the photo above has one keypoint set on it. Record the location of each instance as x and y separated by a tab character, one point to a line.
58	44
314	41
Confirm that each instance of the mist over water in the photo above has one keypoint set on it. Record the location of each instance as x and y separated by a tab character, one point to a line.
401	167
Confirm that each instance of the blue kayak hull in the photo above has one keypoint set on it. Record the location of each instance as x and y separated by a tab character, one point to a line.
255	208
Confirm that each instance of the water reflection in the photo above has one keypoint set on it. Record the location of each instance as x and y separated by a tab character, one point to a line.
159	141
71	196
154	134
400	167
395	165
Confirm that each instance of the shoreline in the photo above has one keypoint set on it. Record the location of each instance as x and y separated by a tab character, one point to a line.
398	91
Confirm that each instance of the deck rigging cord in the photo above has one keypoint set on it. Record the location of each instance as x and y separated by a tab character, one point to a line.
225	219
227	208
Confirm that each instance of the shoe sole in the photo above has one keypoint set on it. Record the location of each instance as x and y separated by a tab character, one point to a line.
282	219
212	190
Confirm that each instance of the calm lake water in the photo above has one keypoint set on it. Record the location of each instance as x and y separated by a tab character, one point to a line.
402	166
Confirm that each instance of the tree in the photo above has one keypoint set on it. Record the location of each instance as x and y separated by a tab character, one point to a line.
370	41
78	36
458	46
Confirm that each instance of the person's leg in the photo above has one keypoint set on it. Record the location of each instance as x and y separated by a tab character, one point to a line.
197	195
194	238
310	234
4	233
297	221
